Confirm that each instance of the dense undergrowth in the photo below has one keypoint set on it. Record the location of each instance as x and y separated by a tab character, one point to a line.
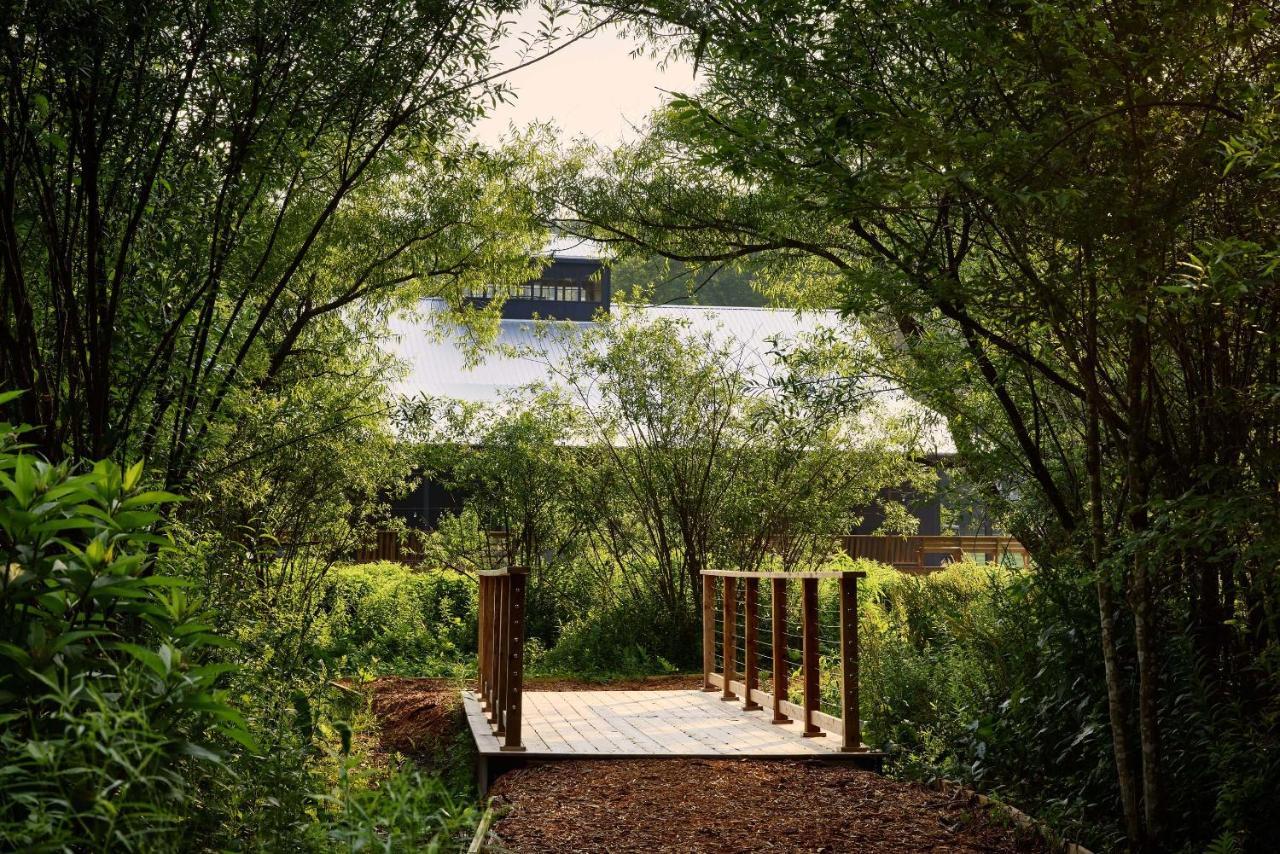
129	722
247	740
975	673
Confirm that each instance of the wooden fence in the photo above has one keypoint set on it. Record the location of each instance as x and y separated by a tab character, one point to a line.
501	651
391	546
909	554
727	594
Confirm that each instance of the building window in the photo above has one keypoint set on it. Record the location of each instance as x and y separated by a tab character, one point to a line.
549	290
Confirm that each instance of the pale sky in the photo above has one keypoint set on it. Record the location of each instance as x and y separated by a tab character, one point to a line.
593	88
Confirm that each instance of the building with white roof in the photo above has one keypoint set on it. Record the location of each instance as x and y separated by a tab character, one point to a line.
574	293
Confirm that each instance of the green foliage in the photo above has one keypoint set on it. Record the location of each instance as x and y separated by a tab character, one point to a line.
268	183
1057	220
963	677
521	477
661	282
623	636
109	710
385	618
681	429
401	812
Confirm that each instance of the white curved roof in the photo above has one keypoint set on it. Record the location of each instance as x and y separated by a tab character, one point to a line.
435	355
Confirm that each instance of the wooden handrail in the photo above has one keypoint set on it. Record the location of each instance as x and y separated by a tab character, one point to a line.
904	553
814	722
909	553
501	627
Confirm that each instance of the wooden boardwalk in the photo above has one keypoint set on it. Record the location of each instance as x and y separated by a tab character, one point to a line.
652	724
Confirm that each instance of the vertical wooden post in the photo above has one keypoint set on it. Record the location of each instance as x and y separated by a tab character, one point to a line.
778	618
482	641
487	604
729	634
503	652
514	699
495	643
708	631
750	677
852	726
491	649
809	623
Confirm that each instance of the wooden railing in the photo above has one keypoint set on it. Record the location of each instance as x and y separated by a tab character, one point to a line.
501	651
740	592
910	554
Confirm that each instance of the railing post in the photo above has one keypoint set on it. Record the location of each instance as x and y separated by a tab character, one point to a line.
750	678
514	696
809	623
729	634
849	711
482	642
495	644
502	654
708	631
778	618
491	650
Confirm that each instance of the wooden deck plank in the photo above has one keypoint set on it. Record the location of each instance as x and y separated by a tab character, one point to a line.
561	724
546	725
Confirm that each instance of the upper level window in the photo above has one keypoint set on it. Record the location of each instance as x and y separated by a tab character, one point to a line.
553	290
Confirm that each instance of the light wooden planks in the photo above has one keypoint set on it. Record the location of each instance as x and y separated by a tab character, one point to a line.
559	724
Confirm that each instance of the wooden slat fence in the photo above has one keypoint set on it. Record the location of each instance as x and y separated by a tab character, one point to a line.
390	546
910	554
732	601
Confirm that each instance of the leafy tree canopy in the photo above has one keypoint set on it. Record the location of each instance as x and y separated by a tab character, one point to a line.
1060	218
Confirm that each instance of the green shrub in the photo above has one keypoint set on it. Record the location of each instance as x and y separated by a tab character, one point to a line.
628	637
109	714
401	812
386	618
979	674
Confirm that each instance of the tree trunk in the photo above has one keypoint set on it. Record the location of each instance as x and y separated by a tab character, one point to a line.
1144	622
1116	707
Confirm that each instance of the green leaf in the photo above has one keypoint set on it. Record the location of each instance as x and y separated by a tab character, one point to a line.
131	476
69	638
200	752
15	653
145	656
154	496
242	737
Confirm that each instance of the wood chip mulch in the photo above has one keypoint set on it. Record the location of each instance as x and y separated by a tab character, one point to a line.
623	806
416	716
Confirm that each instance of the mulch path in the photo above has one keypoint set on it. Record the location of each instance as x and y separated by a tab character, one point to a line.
625	806
691	805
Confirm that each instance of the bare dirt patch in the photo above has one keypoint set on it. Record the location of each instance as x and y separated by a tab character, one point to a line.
718	806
